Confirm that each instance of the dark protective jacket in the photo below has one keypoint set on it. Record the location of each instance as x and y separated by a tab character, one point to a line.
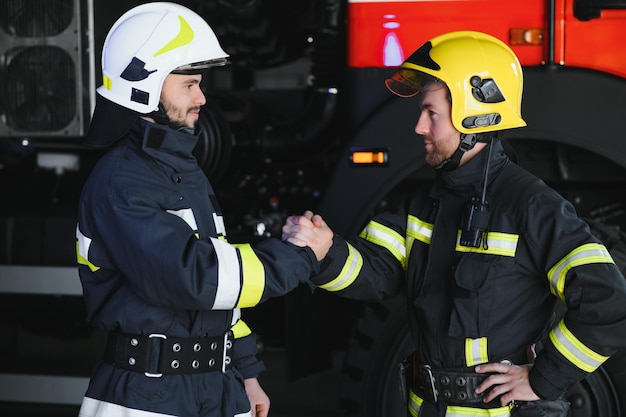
470	305
154	259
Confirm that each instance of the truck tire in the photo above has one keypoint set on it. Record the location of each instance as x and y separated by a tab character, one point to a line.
370	385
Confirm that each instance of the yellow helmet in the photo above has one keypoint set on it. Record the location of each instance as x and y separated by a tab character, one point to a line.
482	73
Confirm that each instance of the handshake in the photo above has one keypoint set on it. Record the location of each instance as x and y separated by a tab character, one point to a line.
309	230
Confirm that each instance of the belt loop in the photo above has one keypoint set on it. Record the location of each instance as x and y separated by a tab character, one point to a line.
228	344
151	336
431	382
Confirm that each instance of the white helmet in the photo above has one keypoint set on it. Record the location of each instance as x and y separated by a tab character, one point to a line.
149	42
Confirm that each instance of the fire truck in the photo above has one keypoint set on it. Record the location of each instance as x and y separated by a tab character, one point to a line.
301	119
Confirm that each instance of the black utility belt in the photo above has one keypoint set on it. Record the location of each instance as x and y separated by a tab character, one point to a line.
158	354
454	386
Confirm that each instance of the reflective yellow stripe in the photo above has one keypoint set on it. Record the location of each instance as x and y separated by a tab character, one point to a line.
497	243
387	238
107	82
185	36
349	272
415	404
419	229
574	350
253	276
240	329
82	251
590	253
476	351
459	411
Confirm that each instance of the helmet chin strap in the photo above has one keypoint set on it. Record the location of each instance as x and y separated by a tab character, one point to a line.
160	117
468	140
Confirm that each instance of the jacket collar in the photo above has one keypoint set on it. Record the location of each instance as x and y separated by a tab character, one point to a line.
468	178
167	145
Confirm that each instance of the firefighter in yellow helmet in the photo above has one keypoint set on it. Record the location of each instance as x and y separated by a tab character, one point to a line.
483	255
157	271
484	79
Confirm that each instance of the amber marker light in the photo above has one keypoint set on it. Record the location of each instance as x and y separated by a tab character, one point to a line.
526	36
371	157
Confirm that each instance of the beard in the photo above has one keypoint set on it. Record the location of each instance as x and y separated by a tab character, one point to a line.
442	150
436	157
178	117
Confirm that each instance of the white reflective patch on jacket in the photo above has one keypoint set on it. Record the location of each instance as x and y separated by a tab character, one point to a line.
95	408
82	250
187	216
229	276
219	224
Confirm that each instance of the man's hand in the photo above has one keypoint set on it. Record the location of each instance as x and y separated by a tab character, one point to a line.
259	401
510	382
309	230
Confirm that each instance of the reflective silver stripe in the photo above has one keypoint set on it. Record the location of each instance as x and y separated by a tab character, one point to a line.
590	253
497	243
415	404
387	238
419	229
349	272
476	351
228	276
460	411
91	407
574	350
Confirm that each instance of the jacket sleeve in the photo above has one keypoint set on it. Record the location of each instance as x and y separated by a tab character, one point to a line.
580	272
245	349
167	263
372	266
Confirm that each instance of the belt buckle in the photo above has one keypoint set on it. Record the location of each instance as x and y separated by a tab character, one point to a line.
160	336
428	372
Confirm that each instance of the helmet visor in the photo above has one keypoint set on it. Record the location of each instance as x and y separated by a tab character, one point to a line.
406	82
198	67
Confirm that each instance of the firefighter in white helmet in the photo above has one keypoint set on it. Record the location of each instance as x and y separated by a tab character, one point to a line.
154	261
483	255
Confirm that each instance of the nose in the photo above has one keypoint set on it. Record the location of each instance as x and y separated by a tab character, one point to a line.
422	125
199	98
